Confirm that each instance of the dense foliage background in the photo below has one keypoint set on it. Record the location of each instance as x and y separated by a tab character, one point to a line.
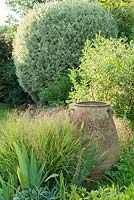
10	90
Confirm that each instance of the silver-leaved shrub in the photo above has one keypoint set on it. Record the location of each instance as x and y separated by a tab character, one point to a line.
50	39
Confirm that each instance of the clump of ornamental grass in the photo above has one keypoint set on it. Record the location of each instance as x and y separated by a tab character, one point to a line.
51	136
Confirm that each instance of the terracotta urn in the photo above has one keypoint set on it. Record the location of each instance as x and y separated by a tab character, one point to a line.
99	127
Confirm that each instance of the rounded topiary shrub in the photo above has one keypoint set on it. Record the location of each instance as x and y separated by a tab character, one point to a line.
50	39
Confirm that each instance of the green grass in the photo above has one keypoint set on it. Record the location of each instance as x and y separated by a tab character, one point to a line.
4	109
53	138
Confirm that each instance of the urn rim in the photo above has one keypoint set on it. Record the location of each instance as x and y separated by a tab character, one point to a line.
91	104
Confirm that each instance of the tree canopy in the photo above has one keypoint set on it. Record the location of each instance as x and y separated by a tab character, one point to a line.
21	7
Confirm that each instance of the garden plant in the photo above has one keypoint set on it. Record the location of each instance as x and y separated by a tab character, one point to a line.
50	39
65	51
106	73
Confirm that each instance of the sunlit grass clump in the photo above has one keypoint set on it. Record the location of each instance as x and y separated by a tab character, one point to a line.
52	137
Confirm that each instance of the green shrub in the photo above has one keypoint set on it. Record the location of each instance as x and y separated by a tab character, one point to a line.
112	193
123	11
10	90
122	172
5	54
2	83
55	92
104	192
106	73
50	40
13	93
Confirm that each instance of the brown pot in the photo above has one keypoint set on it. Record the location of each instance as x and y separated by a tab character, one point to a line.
99	128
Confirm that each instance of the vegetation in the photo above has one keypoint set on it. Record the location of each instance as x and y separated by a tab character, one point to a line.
41	152
123	11
43	48
106	74
37	194
56	92
10	90
28	137
55	141
4	109
57	147
21	7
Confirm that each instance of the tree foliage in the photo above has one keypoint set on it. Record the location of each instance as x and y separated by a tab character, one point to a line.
22	6
123	11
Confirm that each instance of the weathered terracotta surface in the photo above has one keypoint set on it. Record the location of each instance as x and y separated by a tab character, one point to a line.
99	128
